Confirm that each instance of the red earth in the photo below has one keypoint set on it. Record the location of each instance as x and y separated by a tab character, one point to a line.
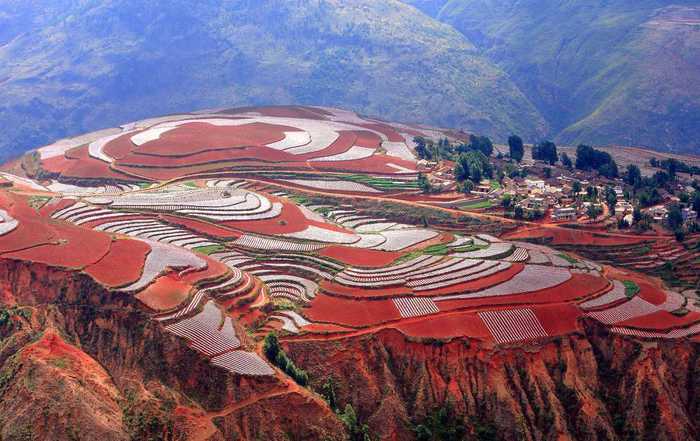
122	265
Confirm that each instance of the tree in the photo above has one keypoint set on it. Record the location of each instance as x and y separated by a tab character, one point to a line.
610	197
472	165
566	161
271	346
633	176
507	201
518	213
545	151
328	393
424	183
576	188
588	158
675	217
636	215
356	430
592	211
481	143
695	201
547	172
516	148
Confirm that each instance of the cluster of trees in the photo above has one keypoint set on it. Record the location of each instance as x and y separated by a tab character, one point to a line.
471	167
444	150
588	158
672	166
545	151
275	353
477	143
357	430
516	148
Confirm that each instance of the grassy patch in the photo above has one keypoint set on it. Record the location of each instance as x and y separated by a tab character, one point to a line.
568	258
61	363
480	205
190	184
383	183
437	250
36	202
209	249
631	288
470	248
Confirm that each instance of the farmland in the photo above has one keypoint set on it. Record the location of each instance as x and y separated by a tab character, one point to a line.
330	240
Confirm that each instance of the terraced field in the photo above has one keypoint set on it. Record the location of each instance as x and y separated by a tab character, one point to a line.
175	214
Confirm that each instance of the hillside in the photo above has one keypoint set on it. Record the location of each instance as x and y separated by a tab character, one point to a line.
70	67
279	273
601	72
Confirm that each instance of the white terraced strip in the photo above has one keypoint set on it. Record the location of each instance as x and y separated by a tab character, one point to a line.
297	318
460	241
369	241
353	154
488	238
673	301
401	239
203	333
30	183
361	220
264	243
318	234
307	286
311	215
161	258
68	210
96	148
191	306
317	260
415	306
494	251
398	150
336	185
417	262
616	294
7	223
557	260
242	363
174	198
400	169
531	278
538	257
519	255
274	211
512	325
402	268
457	272
292	139
636	307
287	323
375	227
467	275
448	265
306	268
672	334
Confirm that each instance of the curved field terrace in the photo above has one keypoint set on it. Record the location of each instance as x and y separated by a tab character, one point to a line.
228	225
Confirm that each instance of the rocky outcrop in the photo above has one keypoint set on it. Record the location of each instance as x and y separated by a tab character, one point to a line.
591	386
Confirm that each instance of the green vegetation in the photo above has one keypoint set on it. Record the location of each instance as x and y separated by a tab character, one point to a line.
209	249
382	183
441	424
275	353
437	250
545	151
568	258
588	158
36	202
611	95
357	430
480	205
472	166
516	148
631	288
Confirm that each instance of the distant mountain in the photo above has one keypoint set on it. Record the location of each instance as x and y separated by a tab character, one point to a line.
67	67
601	71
